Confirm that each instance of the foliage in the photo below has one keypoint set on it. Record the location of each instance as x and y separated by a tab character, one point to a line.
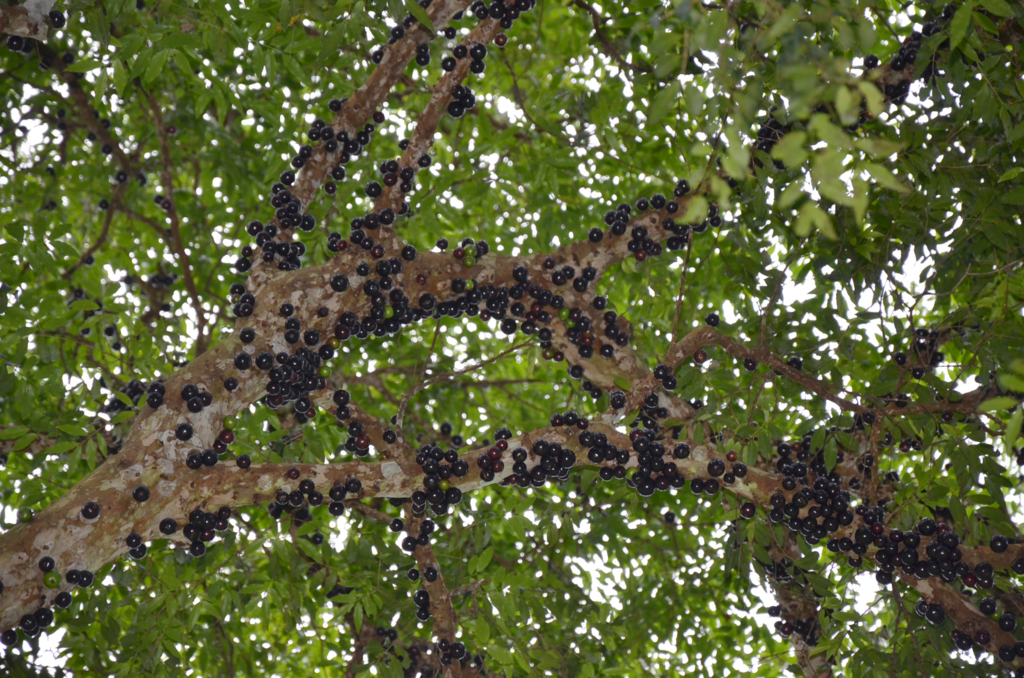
867	220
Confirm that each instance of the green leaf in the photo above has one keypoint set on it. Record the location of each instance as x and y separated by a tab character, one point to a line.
12	432
662	103
182	61
1011	173
997	7
293	67
1014	197
111	631
421	15
1011	382
482	631
791	194
958	25
155	66
24	441
485	559
884	176
72	430
357	617
122	417
811	216
120	77
622	383
874	98
503	656
831	454
60	448
998	403
696	209
83	305
790	149
1013	431
83	66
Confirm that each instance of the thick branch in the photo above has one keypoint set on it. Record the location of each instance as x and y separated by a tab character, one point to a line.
19	21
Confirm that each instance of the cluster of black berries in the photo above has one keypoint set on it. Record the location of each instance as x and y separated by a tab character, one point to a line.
201	529
421	598
33	624
576	372
161	281
423	54
717	468
243	303
944	557
290	253
162	202
924	349
463	99
1007	622
196	460
555	461
580	333
133	389
612	331
358	442
296	506
20	45
76	294
398	32
288	208
808	628
438	466
451	652
394	175
505	14
829	512
599	451
28	46
297	501
339	590
386	216
663	373
654	473
387	634
906	55
491	462
292	378
194	398
410	543
470	250
388	312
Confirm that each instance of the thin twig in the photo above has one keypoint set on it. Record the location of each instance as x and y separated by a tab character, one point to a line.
179	247
682	289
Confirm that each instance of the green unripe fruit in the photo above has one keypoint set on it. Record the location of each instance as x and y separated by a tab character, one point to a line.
563	313
51	580
325	371
230	423
468	261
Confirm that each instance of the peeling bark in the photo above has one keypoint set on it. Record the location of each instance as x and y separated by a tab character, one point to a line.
20	21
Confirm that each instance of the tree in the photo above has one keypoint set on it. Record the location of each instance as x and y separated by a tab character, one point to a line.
591	328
